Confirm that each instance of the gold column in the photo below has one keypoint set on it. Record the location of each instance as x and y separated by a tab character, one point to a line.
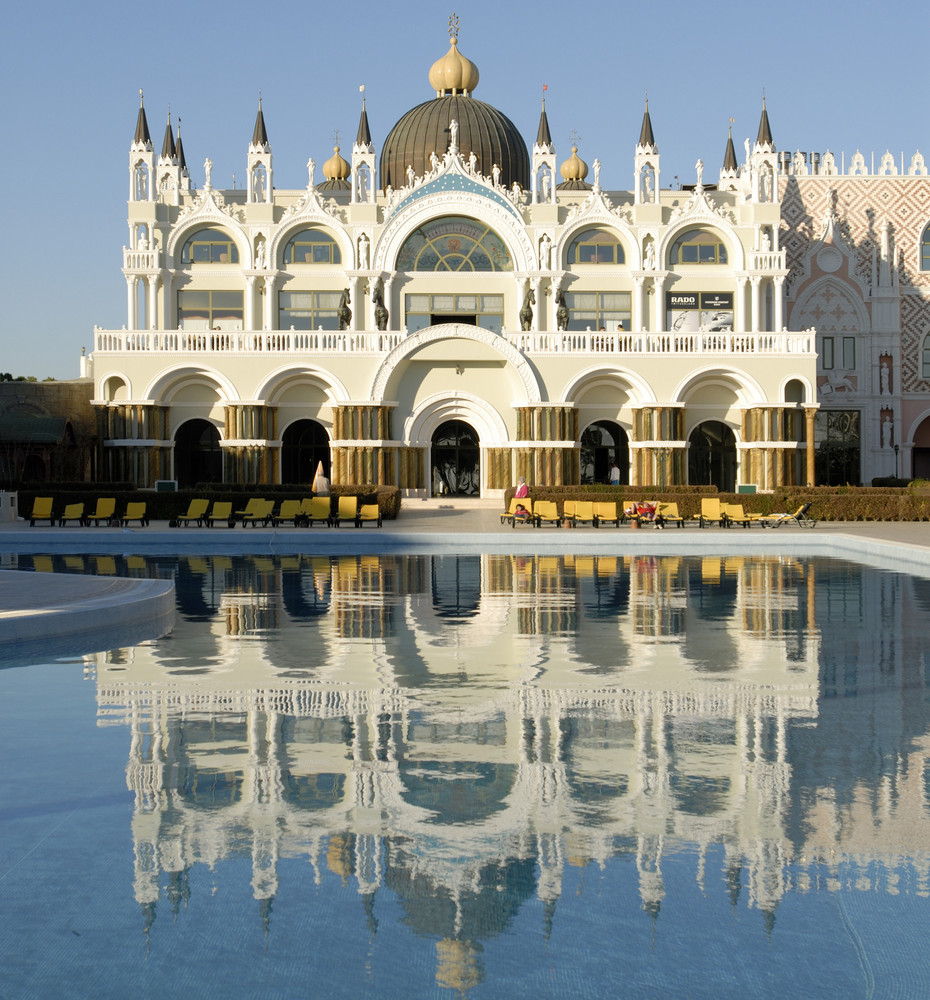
809	438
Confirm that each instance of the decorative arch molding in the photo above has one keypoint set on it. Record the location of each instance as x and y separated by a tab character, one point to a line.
284	378
205	215
113	377
637	386
496	213
704	218
748	390
451	332
914	426
312	217
599	217
420	426
810	392
823	291
172	379
834	254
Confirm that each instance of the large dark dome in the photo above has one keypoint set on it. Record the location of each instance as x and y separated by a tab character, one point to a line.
492	137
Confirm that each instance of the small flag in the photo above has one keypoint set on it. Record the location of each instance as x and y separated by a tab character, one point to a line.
545	86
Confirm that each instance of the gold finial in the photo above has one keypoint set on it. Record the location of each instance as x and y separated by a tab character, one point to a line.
454	26
140	97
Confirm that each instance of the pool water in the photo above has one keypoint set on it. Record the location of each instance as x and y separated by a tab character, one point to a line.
482	776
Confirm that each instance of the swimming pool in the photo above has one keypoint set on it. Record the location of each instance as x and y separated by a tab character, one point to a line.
521	776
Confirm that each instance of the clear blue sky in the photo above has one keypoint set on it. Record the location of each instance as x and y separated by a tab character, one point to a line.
836	76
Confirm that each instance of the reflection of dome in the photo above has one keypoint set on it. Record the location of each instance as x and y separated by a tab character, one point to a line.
483	130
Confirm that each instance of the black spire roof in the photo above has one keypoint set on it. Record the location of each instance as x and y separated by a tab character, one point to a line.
543	138
182	163
729	157
646	138
167	147
142	136
765	132
364	133
259	135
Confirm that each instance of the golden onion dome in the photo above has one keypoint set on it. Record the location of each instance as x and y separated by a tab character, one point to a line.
453	73
574	168
336	171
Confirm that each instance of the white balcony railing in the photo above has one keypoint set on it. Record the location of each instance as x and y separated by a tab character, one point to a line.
382	342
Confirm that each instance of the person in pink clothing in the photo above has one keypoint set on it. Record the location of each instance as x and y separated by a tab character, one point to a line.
522	489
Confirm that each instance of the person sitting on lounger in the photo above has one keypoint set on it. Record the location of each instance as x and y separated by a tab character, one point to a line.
521	513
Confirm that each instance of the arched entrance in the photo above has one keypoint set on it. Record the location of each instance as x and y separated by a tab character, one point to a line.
603	443
303	445
456	459
197	454
712	456
920	454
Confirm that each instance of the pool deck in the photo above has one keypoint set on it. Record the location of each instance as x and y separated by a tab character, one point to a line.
55	604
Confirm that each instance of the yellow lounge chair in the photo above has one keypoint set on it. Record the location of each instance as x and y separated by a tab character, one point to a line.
222	511
346	510
668	514
607	513
250	508
315	509
106	511
547	512
72	512
197	511
134	512
508	514
711	510
261	512
583	513
799	517
369	513
289	511
734	514
41	509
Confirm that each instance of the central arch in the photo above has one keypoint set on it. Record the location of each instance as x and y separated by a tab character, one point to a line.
712	456
198	457
455	460
304	444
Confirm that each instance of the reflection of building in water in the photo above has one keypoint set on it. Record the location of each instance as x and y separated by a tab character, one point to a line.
443	731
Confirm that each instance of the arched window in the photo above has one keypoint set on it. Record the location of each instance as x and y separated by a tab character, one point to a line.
312	246
210	246
454	244
698	246
925	358
925	250
596	246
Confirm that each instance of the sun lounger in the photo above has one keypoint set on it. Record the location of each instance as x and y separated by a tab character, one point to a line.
289	511
346	510
197	511
510	514
250	508
41	509
583	513
72	512
106	512
261	512
667	513
799	517
369	513
222	511
712	510
546	512
734	514
315	509
134	512
607	513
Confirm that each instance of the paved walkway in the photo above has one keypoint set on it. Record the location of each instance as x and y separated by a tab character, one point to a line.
55	604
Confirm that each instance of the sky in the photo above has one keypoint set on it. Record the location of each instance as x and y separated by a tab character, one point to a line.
843	77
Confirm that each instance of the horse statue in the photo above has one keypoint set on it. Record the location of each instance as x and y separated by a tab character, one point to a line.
381	313
345	313
526	310
561	313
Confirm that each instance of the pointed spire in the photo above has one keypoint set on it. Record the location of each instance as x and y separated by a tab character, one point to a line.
364	133
764	138
543	137
142	137
646	137
168	151
729	157
179	149
259	135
